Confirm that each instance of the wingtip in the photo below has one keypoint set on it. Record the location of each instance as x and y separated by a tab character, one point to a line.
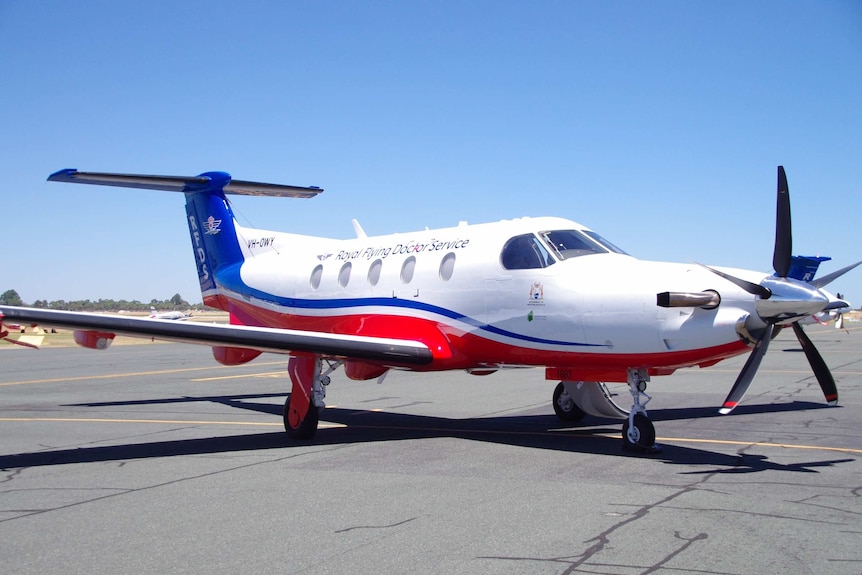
63	175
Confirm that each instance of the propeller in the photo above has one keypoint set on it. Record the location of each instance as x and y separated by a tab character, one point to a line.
783	300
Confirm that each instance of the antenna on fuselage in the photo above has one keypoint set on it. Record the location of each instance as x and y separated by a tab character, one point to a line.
360	233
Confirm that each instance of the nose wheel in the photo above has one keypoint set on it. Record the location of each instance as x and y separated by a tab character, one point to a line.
639	434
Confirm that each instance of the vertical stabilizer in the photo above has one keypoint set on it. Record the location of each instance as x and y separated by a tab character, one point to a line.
804	268
213	231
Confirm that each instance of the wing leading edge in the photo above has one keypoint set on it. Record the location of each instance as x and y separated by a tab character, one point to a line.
274	340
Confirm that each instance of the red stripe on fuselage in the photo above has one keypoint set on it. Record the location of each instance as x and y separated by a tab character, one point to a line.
454	348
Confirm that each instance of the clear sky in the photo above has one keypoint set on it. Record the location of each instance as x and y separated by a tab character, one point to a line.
659	124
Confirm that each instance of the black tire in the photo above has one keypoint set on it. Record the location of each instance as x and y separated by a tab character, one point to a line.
565	407
306	428
644	434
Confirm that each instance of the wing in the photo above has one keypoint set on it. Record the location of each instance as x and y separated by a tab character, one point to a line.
385	350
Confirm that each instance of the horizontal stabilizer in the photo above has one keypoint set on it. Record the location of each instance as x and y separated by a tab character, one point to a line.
182	184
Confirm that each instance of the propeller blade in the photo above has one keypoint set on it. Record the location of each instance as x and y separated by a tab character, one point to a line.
747	374
839	321
752	288
821	371
781	257
827	279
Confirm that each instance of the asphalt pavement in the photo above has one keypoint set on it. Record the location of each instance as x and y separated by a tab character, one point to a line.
153	458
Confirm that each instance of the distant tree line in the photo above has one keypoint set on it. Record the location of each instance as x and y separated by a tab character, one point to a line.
11	297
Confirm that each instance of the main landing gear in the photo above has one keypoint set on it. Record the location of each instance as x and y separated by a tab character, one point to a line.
309	383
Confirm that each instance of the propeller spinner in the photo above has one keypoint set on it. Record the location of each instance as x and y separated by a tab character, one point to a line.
783	300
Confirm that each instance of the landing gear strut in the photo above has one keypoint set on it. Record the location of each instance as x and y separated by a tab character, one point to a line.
306	397
638	430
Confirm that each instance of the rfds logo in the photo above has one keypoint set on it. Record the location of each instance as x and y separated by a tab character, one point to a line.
197	240
212	226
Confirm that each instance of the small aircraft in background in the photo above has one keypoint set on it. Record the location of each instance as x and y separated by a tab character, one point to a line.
478	298
174	315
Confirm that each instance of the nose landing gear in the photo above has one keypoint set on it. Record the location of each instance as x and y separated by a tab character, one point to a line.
638	430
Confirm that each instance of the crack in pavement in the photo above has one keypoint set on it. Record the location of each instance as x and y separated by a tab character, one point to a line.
603	539
171	482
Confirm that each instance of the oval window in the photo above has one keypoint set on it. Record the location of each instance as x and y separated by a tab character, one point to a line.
447	266
344	274
316	274
407	269
374	272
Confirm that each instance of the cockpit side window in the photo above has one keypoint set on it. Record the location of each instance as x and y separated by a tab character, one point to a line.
525	252
571	243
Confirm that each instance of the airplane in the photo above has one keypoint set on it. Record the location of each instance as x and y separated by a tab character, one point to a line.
525	292
174	315
834	316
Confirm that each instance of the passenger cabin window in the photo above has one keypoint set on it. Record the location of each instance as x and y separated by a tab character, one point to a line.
374	272
524	253
571	244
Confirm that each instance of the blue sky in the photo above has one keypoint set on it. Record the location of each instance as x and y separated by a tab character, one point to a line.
659	124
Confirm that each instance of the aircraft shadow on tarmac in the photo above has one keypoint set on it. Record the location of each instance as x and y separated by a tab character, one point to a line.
536	431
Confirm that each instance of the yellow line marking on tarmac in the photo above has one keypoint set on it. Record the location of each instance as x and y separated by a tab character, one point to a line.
759	443
707	370
328	425
139	374
321	425
265	374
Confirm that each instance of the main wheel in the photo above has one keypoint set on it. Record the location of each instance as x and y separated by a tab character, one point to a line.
564	406
640	436
297	428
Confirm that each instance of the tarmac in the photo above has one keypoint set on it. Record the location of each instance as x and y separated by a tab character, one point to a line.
153	458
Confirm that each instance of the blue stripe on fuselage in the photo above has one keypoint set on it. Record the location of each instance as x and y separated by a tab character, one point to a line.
230	280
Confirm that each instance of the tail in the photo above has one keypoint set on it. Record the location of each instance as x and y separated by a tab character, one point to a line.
804	268
211	221
212	227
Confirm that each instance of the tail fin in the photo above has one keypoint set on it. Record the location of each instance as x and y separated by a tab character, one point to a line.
210	219
212	228
804	268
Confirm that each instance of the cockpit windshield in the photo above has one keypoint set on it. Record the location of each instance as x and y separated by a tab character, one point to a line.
567	244
605	242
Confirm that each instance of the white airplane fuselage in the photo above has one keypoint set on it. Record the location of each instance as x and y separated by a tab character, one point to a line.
594	315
